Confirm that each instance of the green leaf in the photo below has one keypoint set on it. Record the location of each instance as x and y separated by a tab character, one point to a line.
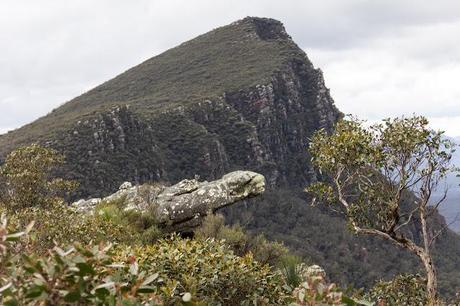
105	285
15	236
352	302
364	302
146	289
348	301
101	293
35	292
150	279
85	268
6	287
72	297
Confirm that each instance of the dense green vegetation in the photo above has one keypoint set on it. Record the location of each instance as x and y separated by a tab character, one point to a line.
220	265
26	178
170	272
404	289
65	258
320	236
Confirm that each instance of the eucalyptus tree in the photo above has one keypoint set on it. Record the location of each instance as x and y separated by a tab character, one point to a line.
370	173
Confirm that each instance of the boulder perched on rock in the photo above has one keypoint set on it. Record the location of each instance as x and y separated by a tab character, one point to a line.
182	206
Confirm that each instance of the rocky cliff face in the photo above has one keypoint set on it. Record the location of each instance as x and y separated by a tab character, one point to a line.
263	127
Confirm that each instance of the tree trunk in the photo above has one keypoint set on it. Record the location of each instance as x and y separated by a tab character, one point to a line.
425	256
431	281
423	253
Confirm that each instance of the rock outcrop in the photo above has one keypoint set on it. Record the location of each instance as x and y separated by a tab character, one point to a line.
182	206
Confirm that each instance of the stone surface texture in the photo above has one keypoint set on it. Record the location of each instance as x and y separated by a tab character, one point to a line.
183	205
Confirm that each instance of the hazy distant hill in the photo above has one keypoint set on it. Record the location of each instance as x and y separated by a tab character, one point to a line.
243	96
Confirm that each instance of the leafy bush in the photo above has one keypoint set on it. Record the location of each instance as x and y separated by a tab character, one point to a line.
27	179
170	272
405	289
57	224
264	251
211	272
79	276
141	225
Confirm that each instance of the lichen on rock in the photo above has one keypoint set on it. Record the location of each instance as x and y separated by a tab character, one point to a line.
183	205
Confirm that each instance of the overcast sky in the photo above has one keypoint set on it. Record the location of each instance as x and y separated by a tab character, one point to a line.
380	58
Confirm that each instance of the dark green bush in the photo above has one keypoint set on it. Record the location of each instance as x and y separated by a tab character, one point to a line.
58	224
264	251
170	272
211	272
405	289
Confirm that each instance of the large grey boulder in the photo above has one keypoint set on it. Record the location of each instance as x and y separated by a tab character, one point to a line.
182	206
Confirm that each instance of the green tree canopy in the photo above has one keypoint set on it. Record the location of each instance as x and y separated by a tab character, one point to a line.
372	170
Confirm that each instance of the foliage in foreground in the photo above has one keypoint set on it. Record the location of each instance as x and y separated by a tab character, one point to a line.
57	224
220	270
211	272
172	271
404	289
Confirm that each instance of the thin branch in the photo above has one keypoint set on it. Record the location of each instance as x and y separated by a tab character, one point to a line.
411	214
400	241
434	208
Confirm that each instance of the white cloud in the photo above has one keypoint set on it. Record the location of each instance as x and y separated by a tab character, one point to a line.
413	71
451	125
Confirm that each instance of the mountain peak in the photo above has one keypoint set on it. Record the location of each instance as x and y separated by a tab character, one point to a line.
266	28
230	58
242	96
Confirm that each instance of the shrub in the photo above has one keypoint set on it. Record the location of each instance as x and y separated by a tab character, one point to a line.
59	225
292	268
79	276
27	179
140	224
173	271
211	272
314	289
405	289
264	251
